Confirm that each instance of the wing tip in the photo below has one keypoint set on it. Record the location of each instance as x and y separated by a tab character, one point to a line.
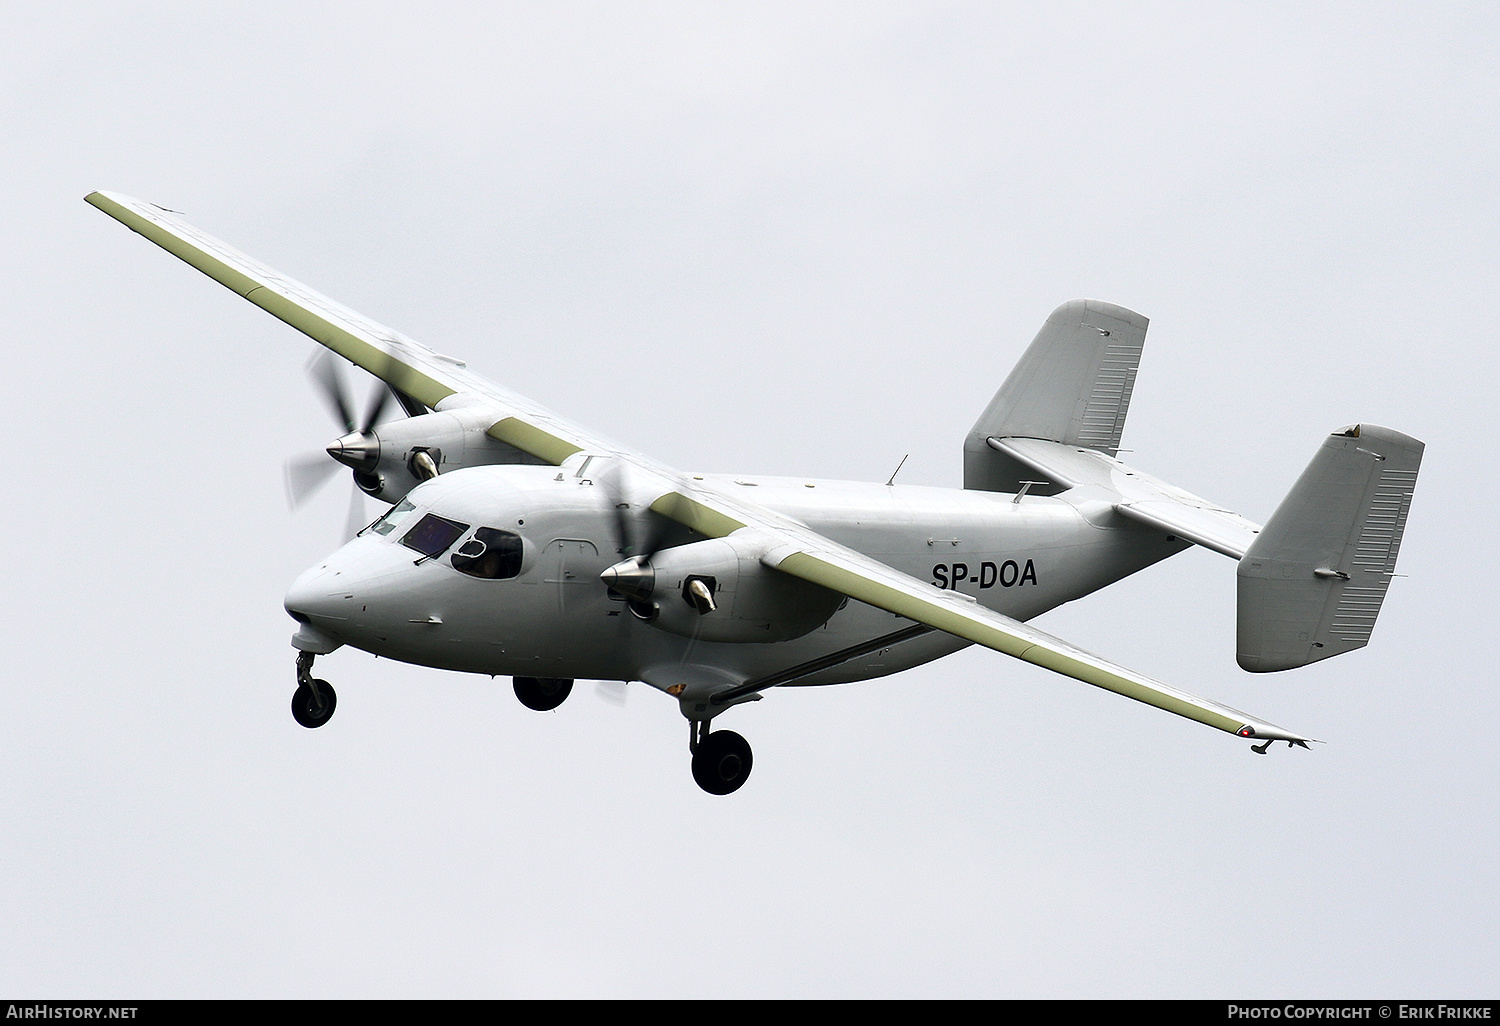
110	202
1270	732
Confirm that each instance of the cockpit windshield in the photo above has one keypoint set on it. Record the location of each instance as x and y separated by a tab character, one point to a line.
433	534
490	554
392	518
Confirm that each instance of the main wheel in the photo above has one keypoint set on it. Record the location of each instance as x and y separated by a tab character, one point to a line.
722	762
542	693
305	708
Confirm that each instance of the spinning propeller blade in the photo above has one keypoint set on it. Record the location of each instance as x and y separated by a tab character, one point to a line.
639	531
325	373
356	519
612	691
306	475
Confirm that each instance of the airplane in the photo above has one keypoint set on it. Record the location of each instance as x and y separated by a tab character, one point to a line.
521	544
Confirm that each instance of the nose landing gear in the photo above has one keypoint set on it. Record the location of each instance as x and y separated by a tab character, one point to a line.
314	700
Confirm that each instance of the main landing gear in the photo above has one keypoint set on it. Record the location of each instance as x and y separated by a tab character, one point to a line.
314	700
721	759
542	693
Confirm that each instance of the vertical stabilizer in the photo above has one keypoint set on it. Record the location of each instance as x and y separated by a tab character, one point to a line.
1072	385
1312	583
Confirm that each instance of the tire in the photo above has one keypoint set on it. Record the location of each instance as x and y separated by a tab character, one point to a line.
722	762
542	693
306	712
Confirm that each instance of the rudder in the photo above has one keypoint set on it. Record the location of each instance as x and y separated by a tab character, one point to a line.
1312	583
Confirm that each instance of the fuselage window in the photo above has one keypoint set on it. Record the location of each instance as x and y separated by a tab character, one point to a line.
491	554
433	534
393	517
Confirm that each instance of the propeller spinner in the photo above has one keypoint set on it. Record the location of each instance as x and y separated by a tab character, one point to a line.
640	533
358	448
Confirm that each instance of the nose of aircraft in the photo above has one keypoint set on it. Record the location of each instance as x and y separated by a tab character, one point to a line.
351	589
320	593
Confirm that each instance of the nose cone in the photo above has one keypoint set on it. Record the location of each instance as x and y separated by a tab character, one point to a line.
354	591
318	596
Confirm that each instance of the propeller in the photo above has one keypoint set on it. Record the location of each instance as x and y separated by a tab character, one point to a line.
640	533
615	692
357	448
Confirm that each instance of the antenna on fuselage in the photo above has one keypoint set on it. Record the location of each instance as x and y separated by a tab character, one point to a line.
897	470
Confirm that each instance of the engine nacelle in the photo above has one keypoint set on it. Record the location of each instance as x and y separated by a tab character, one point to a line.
719	590
389	461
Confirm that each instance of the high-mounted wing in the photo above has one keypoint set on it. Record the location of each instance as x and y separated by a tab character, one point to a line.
409	366
781	543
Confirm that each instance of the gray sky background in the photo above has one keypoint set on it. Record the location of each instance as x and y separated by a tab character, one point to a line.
825	232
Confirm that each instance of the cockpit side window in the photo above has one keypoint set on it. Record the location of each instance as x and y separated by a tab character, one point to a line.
393	517
491	554
433	534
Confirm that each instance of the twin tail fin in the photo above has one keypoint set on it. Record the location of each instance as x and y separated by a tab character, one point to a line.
1312	583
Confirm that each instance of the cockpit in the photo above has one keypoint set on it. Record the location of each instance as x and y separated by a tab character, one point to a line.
488	553
451	574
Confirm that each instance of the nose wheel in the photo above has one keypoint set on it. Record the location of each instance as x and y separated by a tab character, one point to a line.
314	700
721	759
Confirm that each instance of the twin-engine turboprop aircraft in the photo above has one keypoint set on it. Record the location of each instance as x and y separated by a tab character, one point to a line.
519	543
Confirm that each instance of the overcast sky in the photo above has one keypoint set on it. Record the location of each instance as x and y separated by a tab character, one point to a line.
794	238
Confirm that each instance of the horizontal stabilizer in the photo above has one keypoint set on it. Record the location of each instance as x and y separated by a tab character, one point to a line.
1198	522
1142	498
1312	583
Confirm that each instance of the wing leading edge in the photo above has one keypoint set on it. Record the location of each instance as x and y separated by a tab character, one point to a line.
430	378
785	544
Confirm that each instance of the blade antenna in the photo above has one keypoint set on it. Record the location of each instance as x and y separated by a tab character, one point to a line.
897	470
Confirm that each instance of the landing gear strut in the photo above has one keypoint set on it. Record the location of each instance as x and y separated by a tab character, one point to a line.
314	700
542	693
721	759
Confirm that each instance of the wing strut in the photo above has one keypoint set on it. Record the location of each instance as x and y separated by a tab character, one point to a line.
742	691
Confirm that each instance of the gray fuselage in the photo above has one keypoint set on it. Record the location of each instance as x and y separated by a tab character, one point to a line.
555	618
